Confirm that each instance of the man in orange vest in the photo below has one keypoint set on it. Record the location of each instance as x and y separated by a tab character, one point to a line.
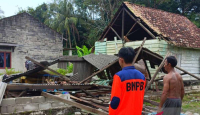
128	86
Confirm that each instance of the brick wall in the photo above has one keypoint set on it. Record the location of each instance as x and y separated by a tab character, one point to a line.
33	38
28	104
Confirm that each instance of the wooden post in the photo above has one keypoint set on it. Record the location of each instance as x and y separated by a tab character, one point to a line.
98	71
138	52
63	77
90	109
154	76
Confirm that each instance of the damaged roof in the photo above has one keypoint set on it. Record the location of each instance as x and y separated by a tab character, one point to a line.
100	61
177	28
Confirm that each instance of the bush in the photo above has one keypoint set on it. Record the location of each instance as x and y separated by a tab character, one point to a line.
62	71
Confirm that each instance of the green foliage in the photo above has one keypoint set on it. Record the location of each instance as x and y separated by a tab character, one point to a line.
82	21
62	71
70	68
11	71
83	51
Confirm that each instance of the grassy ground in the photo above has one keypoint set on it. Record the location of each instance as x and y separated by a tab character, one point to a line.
191	102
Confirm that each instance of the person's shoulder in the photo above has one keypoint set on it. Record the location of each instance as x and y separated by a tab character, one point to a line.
178	76
120	73
166	77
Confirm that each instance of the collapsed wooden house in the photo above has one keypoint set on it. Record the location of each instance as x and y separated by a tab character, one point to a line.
165	32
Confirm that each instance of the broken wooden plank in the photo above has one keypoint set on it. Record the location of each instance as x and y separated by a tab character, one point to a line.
154	76
11	87
22	93
78	105
151	102
88	93
138	52
98	71
90	103
63	77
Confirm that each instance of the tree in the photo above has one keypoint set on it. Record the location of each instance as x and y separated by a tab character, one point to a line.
1	13
40	12
63	19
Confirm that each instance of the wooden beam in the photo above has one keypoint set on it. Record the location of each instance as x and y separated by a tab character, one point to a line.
98	71
102	86
88	93
131	29
116	33
122	35
112	24
63	77
66	49
175	67
90	103
11	87
71	59
138	52
22	93
140	24
188	73
151	102
154	76
78	105
145	63
183	73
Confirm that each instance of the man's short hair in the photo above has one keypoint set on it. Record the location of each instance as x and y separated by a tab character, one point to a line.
127	53
172	60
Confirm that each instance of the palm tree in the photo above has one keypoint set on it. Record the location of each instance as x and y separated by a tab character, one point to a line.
63	19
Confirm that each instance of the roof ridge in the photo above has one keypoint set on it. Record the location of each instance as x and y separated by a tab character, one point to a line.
32	17
154	9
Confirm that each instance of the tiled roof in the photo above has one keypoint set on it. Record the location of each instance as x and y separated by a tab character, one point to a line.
178	29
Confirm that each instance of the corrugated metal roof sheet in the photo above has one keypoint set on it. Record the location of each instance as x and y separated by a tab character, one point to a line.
101	60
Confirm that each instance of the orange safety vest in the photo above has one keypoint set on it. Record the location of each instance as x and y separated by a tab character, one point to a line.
127	92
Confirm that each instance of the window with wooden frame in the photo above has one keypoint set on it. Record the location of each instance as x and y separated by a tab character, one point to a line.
5	60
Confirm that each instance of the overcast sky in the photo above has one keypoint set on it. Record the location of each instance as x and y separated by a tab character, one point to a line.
10	7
